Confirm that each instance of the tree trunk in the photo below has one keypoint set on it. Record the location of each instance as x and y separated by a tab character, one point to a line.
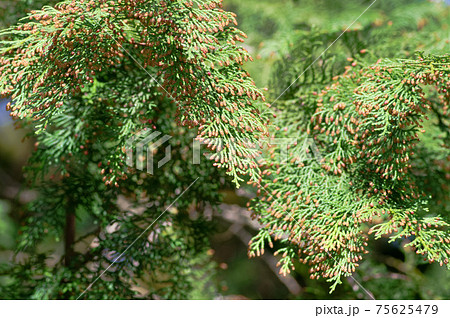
69	233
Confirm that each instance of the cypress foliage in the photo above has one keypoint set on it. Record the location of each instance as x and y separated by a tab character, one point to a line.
379	173
86	76
367	126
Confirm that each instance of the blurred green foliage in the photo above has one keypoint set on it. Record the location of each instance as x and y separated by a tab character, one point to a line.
273	27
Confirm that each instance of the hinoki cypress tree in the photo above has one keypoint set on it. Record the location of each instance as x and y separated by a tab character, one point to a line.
89	75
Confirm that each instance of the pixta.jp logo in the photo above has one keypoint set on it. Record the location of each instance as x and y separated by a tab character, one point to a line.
141	148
